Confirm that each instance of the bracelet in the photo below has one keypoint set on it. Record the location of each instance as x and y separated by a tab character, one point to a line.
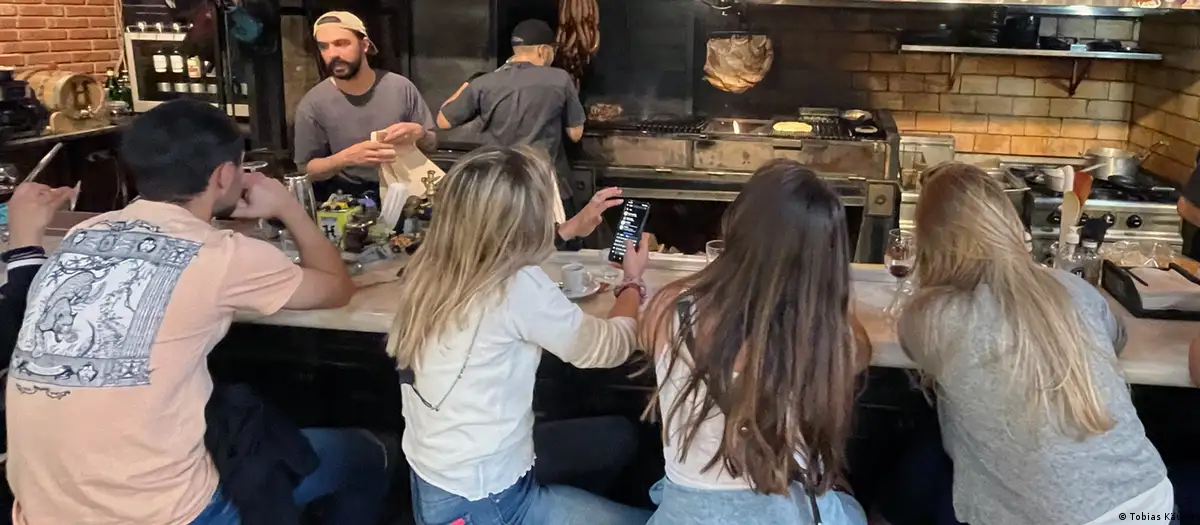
632	283
24	252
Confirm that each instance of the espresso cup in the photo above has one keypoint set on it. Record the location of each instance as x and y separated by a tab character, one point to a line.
575	278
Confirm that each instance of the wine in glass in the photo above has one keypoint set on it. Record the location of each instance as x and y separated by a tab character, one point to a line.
900	254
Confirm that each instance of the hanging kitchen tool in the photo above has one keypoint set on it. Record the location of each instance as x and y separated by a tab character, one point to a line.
737	60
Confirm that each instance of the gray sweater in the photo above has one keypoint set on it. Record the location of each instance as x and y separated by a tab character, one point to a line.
1005	475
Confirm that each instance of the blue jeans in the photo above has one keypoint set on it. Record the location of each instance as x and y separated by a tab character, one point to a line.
680	505
353	476
525	502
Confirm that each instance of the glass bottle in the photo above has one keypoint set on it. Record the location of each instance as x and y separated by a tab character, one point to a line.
195	74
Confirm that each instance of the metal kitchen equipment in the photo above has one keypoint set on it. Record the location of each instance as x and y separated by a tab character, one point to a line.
1015	188
1144	214
693	174
1103	163
301	187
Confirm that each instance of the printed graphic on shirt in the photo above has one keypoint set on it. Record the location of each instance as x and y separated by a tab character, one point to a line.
96	306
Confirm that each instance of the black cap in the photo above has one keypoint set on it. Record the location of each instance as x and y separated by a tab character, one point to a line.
532	32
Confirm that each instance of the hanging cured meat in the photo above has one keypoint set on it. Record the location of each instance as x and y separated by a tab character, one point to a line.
578	35
736	63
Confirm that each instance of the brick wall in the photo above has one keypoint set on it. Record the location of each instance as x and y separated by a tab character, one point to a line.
1167	95
1000	105
79	35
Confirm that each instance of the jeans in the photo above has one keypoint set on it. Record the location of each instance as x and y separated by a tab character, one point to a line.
352	479
587	453
679	505
525	502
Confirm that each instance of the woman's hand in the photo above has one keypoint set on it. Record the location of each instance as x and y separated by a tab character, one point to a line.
636	258
586	221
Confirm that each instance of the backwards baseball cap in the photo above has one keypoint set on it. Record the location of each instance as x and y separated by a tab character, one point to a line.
345	20
532	32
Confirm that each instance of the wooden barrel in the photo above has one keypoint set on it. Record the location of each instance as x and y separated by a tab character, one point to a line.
76	95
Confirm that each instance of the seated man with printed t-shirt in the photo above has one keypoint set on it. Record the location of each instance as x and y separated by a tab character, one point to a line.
109	381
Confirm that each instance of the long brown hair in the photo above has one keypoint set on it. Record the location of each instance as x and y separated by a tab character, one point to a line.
771	342
969	235
493	215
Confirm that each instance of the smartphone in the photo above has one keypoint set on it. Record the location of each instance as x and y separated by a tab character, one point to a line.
633	222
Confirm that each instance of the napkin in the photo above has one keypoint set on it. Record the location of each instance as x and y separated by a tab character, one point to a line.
393	203
1166	290
409	167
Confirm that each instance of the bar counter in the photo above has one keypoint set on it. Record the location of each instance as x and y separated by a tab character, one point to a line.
1156	353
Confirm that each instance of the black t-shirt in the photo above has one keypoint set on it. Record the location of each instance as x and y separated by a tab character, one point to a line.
1191	192
522	103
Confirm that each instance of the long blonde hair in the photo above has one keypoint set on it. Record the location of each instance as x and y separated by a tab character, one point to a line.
492	215
969	234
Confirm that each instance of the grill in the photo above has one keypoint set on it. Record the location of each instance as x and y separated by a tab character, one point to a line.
824	128
665	125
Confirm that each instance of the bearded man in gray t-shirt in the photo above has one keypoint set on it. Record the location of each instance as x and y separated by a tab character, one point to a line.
335	118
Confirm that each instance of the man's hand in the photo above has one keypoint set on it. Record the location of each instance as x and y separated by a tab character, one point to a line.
586	221
367	153
30	211
403	133
264	198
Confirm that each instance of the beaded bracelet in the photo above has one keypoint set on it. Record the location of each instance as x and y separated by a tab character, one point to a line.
24	252
632	283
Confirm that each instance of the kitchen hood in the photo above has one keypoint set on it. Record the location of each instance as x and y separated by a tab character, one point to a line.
1076	7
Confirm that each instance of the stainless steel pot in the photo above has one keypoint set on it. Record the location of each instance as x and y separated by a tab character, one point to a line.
1103	163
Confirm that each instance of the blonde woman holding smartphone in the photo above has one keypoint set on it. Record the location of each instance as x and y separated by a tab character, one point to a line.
475	312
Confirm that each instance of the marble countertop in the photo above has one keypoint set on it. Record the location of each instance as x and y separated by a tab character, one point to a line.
1156	353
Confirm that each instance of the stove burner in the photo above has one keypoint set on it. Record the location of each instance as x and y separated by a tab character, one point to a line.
1101	190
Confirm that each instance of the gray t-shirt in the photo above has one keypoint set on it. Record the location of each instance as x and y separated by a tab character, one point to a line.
523	104
1002	474
328	120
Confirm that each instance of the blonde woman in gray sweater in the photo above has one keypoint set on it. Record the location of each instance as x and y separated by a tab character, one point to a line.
1033	409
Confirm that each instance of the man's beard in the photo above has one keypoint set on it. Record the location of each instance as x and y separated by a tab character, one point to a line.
351	68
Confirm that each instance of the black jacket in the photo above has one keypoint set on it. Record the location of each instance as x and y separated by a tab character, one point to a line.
12	305
259	453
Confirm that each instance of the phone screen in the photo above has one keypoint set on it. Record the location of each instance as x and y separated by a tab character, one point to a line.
633	221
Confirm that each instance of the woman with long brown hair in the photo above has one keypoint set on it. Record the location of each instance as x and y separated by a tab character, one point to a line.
756	364
1034	411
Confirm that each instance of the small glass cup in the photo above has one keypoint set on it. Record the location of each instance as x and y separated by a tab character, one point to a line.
607	274
713	249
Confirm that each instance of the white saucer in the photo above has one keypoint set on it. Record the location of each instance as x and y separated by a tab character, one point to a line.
591	289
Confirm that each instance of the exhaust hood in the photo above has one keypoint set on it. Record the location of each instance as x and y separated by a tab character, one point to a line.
1076	7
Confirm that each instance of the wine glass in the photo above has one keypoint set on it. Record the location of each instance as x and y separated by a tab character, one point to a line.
713	249
900	254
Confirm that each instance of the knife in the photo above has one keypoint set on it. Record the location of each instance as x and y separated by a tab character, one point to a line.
41	165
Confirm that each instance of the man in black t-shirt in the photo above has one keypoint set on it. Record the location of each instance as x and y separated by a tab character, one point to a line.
524	102
1189	210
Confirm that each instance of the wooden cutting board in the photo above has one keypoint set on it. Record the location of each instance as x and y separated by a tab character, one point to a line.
409	168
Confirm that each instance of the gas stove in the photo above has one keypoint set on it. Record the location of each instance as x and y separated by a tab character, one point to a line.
1139	214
